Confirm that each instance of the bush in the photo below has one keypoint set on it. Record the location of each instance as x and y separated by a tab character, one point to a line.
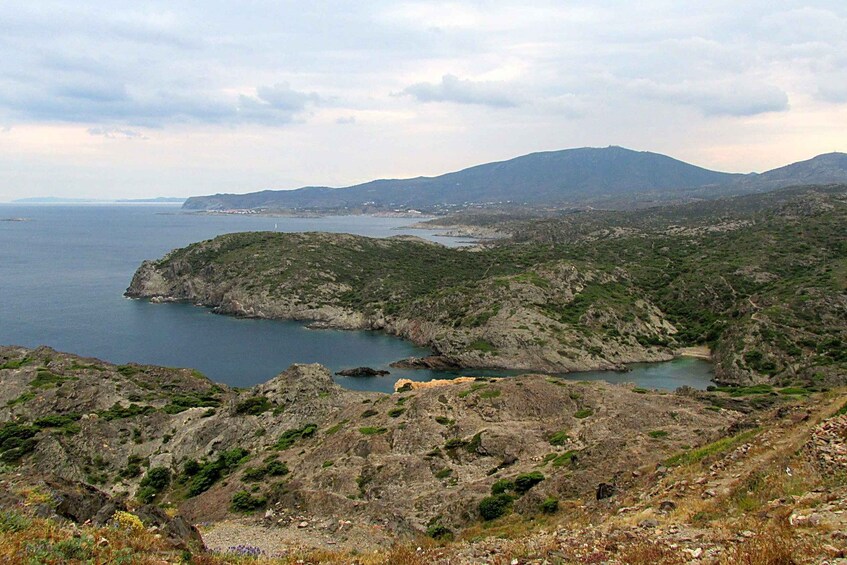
243	501
211	472
502	486
439	532
526	481
492	507
583	413
550	505
253	406
559	438
290	437
157	478
371	431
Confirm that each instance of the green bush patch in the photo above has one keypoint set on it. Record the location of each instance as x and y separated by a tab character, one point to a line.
493	507
243	501
290	437
372	430
559	438
526	481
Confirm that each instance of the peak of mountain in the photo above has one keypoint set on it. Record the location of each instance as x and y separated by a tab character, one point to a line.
612	175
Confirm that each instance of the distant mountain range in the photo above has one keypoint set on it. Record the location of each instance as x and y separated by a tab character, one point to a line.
62	200
611	176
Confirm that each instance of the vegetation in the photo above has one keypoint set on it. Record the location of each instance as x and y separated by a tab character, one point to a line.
243	501
290	437
253	406
495	506
154	482
201	477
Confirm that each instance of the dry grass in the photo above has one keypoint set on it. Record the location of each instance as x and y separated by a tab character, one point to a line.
775	546
33	540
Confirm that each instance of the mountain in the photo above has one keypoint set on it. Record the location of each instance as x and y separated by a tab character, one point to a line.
611	176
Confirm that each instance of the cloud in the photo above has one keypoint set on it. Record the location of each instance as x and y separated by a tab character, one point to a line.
277	104
717	98
453	89
117	133
345	120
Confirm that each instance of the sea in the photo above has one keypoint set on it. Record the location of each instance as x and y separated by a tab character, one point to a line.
64	269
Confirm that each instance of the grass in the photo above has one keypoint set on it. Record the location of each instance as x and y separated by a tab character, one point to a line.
583	413
490	393
473	388
372	430
720	446
658	434
566	458
559	438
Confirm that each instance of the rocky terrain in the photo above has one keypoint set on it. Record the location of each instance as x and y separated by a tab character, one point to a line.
529	468
760	279
471	309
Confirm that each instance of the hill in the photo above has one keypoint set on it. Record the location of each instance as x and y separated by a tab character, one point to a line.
610	177
105	463
760	278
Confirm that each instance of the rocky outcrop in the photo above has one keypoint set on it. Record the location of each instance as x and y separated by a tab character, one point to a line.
362	372
554	317
315	452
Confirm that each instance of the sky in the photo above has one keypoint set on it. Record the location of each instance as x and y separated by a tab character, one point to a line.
113	99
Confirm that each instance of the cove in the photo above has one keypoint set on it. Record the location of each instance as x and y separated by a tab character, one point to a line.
63	273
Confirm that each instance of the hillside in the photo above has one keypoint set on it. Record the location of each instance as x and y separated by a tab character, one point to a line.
528	468
760	278
608	177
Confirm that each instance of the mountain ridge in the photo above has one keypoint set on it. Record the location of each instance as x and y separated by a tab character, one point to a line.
613	177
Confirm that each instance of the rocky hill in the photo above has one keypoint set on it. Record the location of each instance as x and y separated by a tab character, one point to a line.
610	177
761	279
530	467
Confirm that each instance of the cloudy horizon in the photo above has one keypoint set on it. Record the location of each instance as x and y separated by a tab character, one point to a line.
115	100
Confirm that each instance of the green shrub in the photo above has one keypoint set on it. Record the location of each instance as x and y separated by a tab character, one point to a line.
396	412
439	532
443	473
118	411
559	438
492	507
209	473
550	505
526	481
658	434
444	420
583	413
566	458
501	486
157	478
253	406
454	443
371	430
370	412
11	522
243	501
290	437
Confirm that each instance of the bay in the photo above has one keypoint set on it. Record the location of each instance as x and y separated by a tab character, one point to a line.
63	271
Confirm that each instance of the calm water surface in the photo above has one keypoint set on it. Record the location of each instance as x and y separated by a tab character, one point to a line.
64	270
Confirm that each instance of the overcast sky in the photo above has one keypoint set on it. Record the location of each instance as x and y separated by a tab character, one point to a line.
131	99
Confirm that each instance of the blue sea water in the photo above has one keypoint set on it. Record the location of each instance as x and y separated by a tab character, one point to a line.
63	272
